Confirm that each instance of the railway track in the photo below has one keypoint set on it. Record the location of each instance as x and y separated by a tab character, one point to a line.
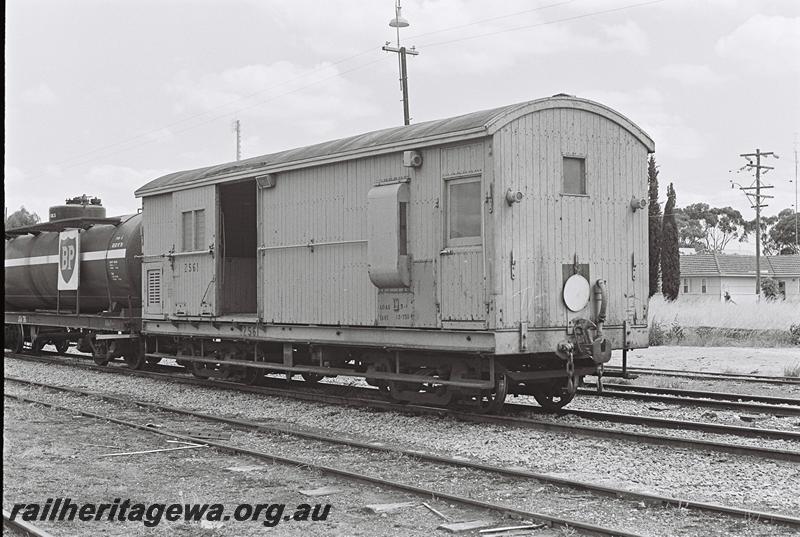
435	458
366	398
781	406
705	375
358	476
20	527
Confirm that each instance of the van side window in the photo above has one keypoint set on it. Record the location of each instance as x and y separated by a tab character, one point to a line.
464	204
574	170
193	224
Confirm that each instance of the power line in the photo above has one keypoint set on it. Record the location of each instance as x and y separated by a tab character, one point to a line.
227	114
147	141
259	92
546	23
219	107
475	23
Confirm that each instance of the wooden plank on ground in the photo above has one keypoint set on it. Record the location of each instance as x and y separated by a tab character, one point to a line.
388	507
460	527
322	491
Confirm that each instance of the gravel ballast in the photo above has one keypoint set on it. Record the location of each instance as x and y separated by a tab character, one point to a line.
734	480
480	485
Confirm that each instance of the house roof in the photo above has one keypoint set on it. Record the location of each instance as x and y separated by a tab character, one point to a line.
739	265
785	265
467	126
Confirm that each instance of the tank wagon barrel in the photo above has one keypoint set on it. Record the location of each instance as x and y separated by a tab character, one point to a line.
80	270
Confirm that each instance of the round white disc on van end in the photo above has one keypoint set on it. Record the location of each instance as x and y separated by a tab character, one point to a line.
576	292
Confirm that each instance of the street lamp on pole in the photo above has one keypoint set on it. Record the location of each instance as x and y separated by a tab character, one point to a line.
399	22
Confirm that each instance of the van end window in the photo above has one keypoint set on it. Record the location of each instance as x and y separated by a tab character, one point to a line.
574	170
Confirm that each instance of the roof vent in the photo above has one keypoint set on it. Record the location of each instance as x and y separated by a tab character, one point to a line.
563	95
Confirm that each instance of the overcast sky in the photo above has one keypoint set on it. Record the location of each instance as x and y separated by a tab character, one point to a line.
105	95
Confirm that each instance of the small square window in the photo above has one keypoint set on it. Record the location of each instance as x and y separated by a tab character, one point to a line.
574	175
464	211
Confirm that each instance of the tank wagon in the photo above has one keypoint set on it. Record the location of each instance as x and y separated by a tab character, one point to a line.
498	252
77	278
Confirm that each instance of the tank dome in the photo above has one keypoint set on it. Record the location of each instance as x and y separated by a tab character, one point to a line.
78	207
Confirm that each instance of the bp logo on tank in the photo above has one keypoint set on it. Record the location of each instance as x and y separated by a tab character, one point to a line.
69	253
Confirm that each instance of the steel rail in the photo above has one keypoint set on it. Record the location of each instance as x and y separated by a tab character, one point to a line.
531	423
702	426
21	527
703	394
678	400
340	472
427	456
706	374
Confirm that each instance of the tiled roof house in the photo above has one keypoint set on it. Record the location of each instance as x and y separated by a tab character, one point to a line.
711	276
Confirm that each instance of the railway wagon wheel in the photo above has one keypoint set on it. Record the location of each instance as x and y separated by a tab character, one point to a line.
378	363
493	401
101	351
62	346
237	373
84	344
198	369
554	397
312	377
14	337
133	353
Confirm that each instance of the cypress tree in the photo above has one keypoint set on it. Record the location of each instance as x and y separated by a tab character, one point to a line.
653	225
670	255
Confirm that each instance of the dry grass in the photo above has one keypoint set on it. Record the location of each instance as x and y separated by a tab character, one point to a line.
761	316
703	324
792	370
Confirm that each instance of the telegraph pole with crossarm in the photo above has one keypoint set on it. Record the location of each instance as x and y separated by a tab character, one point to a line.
756	199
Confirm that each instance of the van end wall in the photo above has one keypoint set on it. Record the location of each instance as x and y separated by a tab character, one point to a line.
547	229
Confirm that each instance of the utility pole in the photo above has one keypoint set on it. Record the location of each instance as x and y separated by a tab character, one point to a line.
399	22
237	127
796	238
756	199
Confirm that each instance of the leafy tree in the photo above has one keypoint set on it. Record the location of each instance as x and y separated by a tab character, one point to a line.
766	223
670	255
21	218
710	229
781	239
690	231
654	225
769	288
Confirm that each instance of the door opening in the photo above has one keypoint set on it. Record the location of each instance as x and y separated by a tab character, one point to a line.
238	249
